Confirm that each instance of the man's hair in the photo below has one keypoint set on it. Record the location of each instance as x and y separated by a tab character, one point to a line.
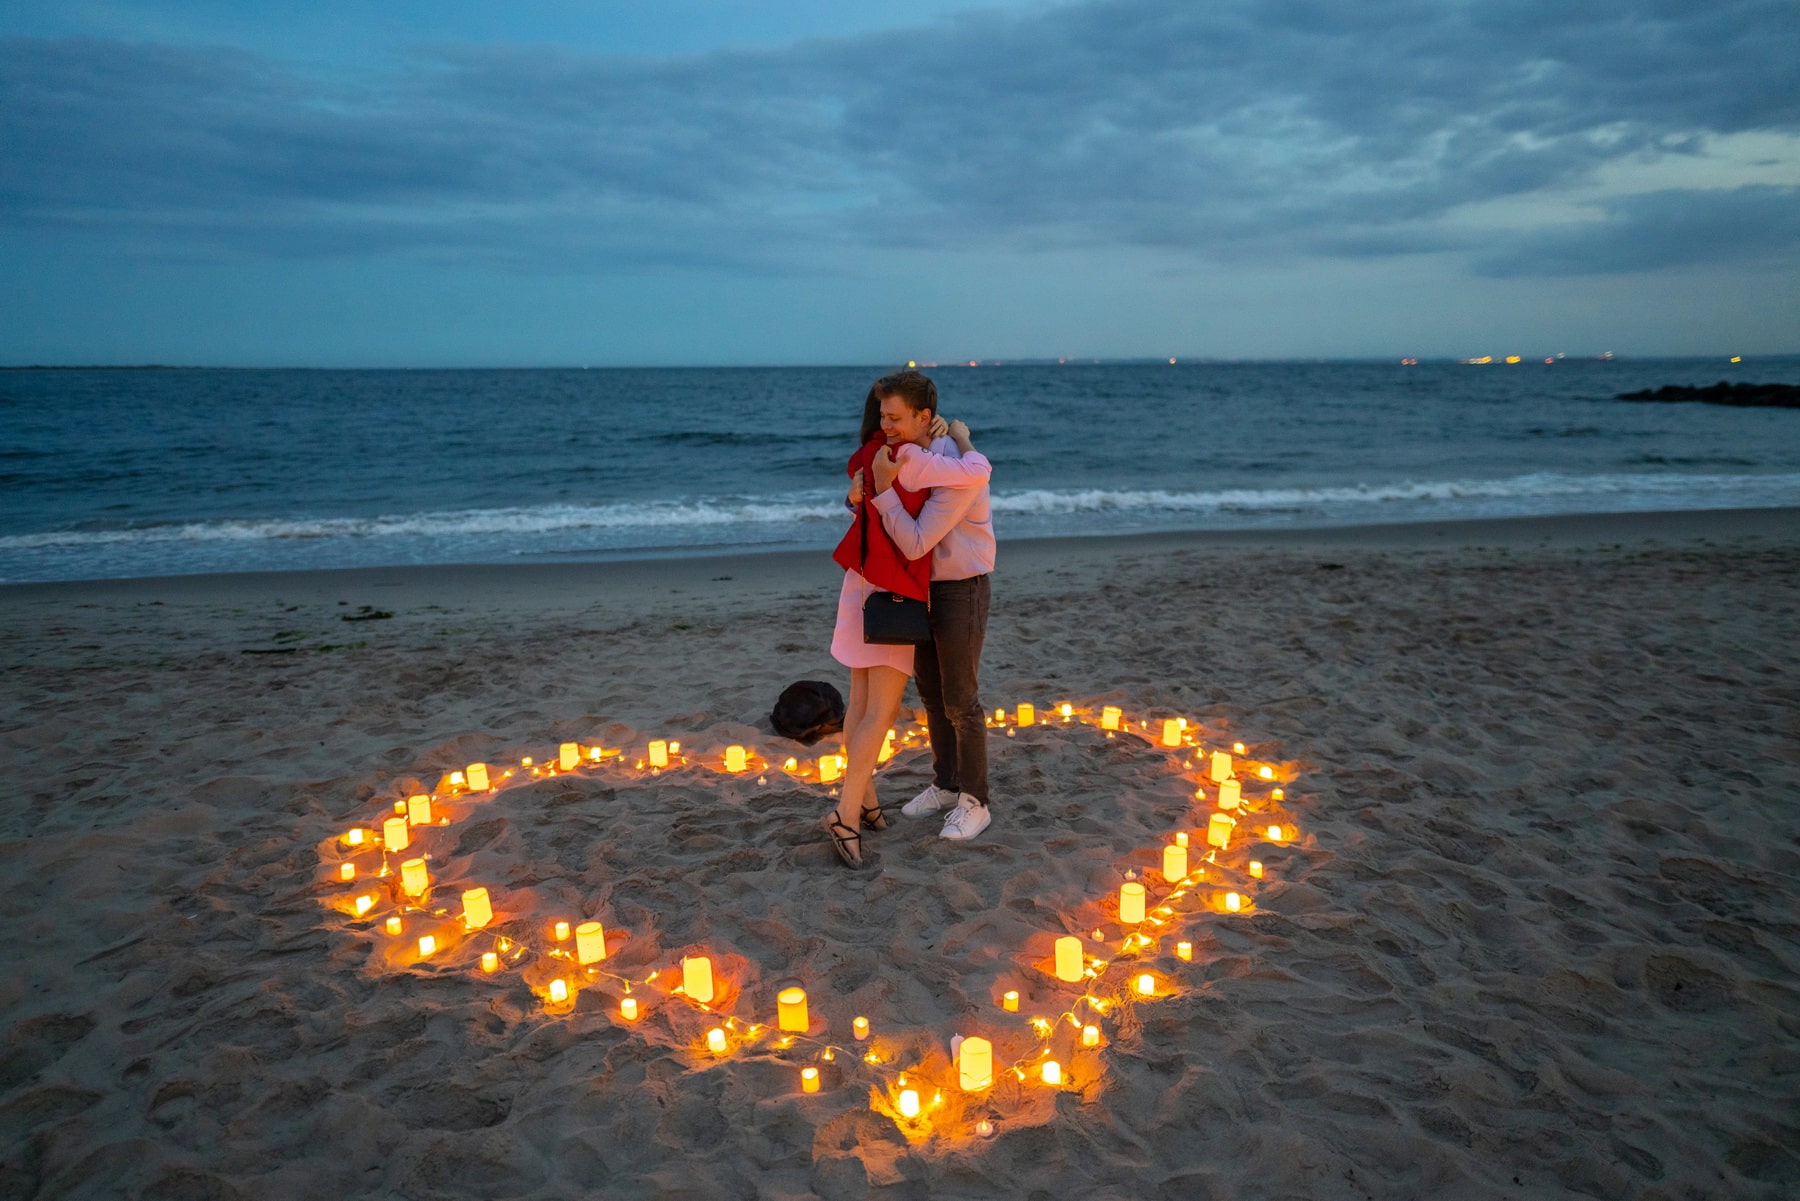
917	390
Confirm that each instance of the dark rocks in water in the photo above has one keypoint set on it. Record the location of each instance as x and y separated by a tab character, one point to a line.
1747	396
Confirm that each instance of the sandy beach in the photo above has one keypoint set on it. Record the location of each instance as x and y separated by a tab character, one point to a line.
1532	929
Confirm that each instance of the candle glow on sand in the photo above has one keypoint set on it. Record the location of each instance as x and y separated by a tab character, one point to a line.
1113	977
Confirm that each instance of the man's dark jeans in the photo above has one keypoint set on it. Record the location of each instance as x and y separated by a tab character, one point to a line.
946	670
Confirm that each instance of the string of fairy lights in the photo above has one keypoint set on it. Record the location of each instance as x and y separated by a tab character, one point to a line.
1103	970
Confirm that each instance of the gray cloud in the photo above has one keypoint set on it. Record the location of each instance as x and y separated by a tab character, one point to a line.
1218	130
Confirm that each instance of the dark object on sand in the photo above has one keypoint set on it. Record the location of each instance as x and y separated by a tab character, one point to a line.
808	710
366	613
1745	396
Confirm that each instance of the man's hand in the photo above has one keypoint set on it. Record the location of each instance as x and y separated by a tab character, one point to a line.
855	495
885	469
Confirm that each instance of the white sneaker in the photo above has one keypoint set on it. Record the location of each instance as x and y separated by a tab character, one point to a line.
929	801
969	818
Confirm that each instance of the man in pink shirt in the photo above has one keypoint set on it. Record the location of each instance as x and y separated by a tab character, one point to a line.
956	528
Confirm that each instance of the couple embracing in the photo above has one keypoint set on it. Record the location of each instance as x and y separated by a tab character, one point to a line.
923	532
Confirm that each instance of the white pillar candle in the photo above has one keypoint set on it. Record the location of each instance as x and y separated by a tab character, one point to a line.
364	904
559	991
1068	959
355	837
1184	950
1009	1000
829	769
1175	865
659	753
394	926
1146	984
560	931
477	912
568	755
975	1064
1090	1036
860	1028
418	810
1231	793
1181	838
715	1040
1052	1072
1131	902
1171	734
590	943
414	879
1266	772
1109	717
1027	714
427	946
394	835
1218	830
628	1008
1256	869
477	776
346	871
1221	767
735	758
790	1010
1233	902
697	979
1276	834
809	1080
490	962
1067	710
909	1103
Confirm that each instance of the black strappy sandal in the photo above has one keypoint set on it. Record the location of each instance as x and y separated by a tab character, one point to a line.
841	842
872	815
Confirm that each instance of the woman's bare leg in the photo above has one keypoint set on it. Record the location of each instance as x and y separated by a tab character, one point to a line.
883	689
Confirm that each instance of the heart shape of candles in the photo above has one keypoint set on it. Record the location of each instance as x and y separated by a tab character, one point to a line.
426	905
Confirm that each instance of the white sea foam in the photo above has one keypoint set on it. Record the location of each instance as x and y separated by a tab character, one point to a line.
651	523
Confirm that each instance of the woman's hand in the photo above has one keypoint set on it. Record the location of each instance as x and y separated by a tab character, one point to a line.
855	496
885	469
938	426
959	434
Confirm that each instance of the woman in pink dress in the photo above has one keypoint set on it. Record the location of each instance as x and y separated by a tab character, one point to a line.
900	412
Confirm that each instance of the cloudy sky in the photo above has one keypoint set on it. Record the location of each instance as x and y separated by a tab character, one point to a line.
424	182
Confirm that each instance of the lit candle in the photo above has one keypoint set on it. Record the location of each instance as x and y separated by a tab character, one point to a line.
1256	869
1275	834
1181	838
697	979
1068	710
346	871
1009	1001
659	753
1221	767
527	761
456	780
1175	862
414	879
559	991
1109	717
477	776
999	717
1278	794
809	1080
418	810
860	1028
477	912
1184	950
427	945
568	756
394	927
1237	748
1052	1072
1233	902
984	1128
1027	714
628	1008
490	961
394	835
1131	902
560	932
1171	735
364	904
790	1010
1231	793
1146	985
829	769
1068	959
1218	830
590	943
975	1064
909	1102
1090	1036
1266	772
735	758
715	1040
355	836
887	748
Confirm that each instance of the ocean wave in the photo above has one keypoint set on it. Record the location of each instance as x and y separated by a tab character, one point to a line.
640	521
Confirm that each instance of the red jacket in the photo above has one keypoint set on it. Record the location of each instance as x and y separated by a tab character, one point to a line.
885	566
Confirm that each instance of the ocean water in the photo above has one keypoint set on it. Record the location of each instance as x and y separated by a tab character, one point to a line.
157	472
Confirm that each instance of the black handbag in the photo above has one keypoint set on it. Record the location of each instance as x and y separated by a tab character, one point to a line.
890	619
